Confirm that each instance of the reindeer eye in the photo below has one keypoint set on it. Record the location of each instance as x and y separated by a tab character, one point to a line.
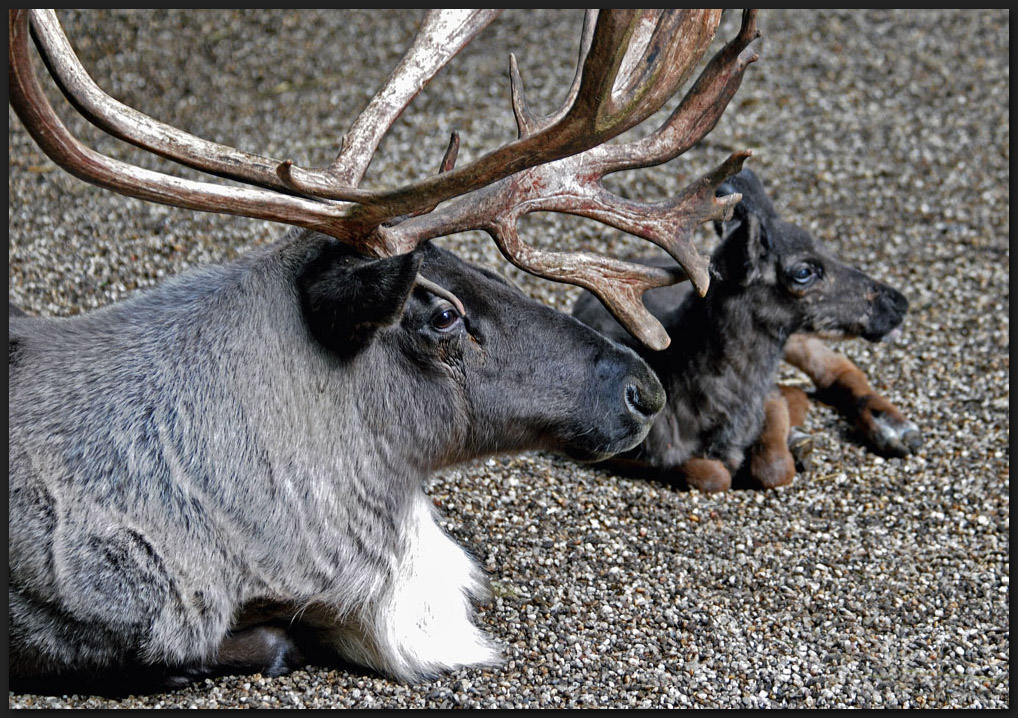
803	274
445	319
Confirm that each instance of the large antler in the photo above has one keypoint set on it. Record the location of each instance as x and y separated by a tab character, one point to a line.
631	63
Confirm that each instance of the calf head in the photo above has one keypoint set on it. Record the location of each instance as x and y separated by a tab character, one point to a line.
488	369
798	284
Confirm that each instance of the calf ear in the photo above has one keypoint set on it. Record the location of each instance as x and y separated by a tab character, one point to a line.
756	245
755	201
738	212
347	298
743	250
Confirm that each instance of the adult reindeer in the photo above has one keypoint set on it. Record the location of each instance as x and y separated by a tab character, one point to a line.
224	472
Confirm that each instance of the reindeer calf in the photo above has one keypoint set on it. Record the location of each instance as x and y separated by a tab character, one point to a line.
774	293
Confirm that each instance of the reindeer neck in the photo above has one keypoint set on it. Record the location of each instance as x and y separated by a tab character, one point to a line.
727	332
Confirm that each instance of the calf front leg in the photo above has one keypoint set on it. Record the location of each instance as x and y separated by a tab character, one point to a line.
771	462
799	442
844	386
707	475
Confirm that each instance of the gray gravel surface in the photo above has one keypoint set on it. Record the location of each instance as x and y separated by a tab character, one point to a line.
869	582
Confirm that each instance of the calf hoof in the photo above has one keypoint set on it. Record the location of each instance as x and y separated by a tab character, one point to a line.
780	473
801	445
707	475
891	435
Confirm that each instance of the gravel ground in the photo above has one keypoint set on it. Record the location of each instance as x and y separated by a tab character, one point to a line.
869	582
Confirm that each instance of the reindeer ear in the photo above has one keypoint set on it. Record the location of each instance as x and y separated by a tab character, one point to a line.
738	212
756	245
757	236
347	297
755	201
743	250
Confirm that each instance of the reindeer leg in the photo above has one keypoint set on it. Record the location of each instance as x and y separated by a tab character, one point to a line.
799	442
771	463
264	649
844	386
707	475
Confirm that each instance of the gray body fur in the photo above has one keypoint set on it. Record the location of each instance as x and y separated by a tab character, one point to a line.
723	360
200	459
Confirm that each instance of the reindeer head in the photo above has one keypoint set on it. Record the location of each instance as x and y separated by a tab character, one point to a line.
473	351
796	284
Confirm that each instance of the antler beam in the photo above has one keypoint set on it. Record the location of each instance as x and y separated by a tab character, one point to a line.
631	62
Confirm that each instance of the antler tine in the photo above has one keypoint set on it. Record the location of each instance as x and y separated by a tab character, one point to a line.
619	284
699	110
130	125
630	64
526	122
668	53
442	34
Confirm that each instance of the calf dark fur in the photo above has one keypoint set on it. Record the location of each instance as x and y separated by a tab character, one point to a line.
225	473
774	292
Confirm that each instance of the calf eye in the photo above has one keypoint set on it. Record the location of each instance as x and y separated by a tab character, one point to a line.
445	319
803	274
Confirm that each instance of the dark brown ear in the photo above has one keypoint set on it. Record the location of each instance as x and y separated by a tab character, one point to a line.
755	200
742	250
726	188
347	297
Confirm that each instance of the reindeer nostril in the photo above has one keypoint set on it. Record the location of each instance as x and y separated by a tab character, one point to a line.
646	402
